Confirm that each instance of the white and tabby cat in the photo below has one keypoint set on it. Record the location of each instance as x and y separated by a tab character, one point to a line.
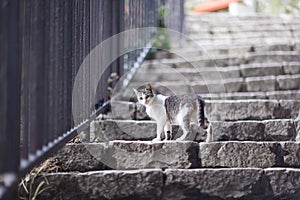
177	109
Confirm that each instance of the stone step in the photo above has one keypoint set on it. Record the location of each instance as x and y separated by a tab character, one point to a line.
224	61
149	72
293	43
210	184
251	34
232	25
213	83
286	94
224	110
211	29
231	110
232	50
121	154
224	19
266	130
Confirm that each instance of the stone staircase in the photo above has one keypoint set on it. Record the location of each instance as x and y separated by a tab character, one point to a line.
248	70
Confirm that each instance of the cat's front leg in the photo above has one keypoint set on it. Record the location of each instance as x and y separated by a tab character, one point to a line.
159	130
167	131
209	130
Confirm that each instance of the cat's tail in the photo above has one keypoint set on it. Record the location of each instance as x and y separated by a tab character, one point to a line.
203	121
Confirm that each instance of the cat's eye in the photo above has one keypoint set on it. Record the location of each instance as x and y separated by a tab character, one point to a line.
141	98
147	96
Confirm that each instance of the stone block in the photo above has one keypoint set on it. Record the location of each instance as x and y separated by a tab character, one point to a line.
297	45
290	153
204	88
213	184
137	155
250	154
128	155
240	130
122	109
108	130
261	69
134	184
274	47
261	84
279	130
230	72
234	85
289	82
288	94
76	157
237	154
291	67
269	130
273	57
284	183
289	108
229	110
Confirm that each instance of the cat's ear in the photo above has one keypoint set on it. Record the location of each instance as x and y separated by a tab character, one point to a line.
148	86
135	91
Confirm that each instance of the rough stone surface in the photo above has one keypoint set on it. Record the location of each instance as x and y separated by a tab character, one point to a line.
194	184
292	68
76	157
289	82
290	108
138	155
234	85
291	153
213	184
273	57
237	154
229	110
179	155
257	84
287	94
250	154
219	61
261	69
284	183
107	130
240	130
134	184
279	130
122	109
128	155
269	130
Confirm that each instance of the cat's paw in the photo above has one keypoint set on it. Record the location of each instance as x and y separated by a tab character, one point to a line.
156	140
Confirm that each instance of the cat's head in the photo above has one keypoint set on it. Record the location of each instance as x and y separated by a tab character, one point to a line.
145	95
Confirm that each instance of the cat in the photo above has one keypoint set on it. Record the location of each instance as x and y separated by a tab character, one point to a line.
180	109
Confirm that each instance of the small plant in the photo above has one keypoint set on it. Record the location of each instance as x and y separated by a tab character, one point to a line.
32	185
